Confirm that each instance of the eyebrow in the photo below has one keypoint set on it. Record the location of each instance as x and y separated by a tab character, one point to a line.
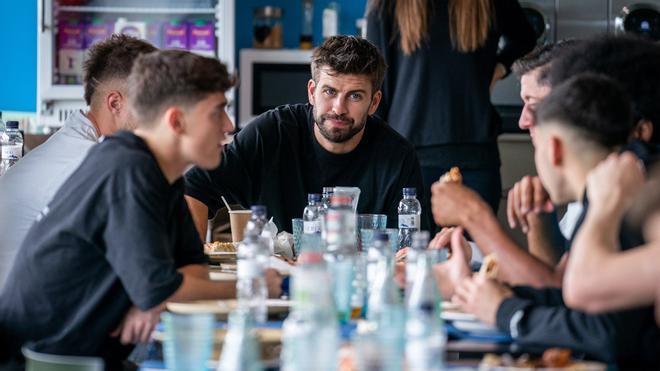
349	92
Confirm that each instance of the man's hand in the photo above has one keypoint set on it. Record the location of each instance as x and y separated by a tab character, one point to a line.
137	325
481	297
527	196
443	240
455	204
273	282
451	273
614	183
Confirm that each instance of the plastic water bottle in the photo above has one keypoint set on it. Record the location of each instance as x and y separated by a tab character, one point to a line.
425	333
382	292
325	199
410	211
258	220
341	251
240	350
12	146
376	253
251	289
418	247
312	214
310	339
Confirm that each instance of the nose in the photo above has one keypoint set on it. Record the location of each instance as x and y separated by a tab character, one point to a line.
339	105
526	121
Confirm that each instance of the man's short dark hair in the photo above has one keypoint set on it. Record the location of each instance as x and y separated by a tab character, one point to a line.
632	61
350	55
594	106
173	77
541	58
110	59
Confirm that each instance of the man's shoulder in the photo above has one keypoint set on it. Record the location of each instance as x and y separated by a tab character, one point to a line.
384	135
288	115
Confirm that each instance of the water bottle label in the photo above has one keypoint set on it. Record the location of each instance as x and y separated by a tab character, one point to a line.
247	268
11	152
311	227
409	221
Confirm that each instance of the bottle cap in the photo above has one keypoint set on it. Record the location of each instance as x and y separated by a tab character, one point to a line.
410	191
313	197
258	210
12	124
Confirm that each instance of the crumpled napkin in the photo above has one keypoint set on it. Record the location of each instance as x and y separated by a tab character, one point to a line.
281	243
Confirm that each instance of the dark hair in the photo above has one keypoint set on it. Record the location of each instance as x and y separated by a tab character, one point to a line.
173	77
350	55
632	61
594	106
111	59
541	57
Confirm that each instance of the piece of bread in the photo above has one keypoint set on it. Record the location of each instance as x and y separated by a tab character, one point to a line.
219	247
452	176
489	267
557	357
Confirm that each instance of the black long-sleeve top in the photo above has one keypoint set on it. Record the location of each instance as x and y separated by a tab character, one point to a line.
439	98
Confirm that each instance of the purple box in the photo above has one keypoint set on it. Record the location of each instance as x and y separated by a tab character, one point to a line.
97	31
175	35
155	33
201	38
70	34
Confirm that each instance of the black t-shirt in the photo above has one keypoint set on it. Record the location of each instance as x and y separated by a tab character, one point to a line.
276	161
113	236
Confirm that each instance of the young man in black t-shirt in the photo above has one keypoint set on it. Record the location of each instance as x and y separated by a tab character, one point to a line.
118	241
293	150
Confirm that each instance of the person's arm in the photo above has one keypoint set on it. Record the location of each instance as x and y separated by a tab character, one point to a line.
517	34
454	204
543	237
379	25
199	212
598	275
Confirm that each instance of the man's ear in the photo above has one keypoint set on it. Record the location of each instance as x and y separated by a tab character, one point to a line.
375	101
174	118
557	151
311	87
643	130
114	102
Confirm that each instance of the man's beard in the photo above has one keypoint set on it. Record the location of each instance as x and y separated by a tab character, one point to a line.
338	135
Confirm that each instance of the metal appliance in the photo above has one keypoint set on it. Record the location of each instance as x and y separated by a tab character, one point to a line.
641	18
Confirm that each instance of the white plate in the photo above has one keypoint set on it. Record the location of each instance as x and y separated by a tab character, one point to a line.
222	253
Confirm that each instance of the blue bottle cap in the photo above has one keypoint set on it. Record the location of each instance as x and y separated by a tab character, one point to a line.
258	210
12	124
381	236
410	191
315	197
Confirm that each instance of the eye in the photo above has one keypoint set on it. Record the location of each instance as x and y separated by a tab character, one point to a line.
356	96
329	92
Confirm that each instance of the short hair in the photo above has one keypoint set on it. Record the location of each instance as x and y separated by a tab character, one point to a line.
632	61
352	56
173	77
541	57
110	59
593	106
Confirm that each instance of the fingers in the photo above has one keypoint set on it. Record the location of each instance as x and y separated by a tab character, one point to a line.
540	195
457	244
527	195
510	210
517	207
441	239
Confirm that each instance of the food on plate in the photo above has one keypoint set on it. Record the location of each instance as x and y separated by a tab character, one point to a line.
489	267
219	247
452	176
552	358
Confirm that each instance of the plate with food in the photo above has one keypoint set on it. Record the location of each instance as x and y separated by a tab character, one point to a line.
221	252
552	359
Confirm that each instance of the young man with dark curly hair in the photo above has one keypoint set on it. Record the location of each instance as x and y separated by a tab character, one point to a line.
297	149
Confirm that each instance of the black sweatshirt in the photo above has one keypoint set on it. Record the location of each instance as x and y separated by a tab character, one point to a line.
276	161
437	97
539	318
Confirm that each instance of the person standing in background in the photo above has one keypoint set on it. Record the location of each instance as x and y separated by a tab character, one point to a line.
443	59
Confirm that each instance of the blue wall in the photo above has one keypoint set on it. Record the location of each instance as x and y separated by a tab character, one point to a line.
18	61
